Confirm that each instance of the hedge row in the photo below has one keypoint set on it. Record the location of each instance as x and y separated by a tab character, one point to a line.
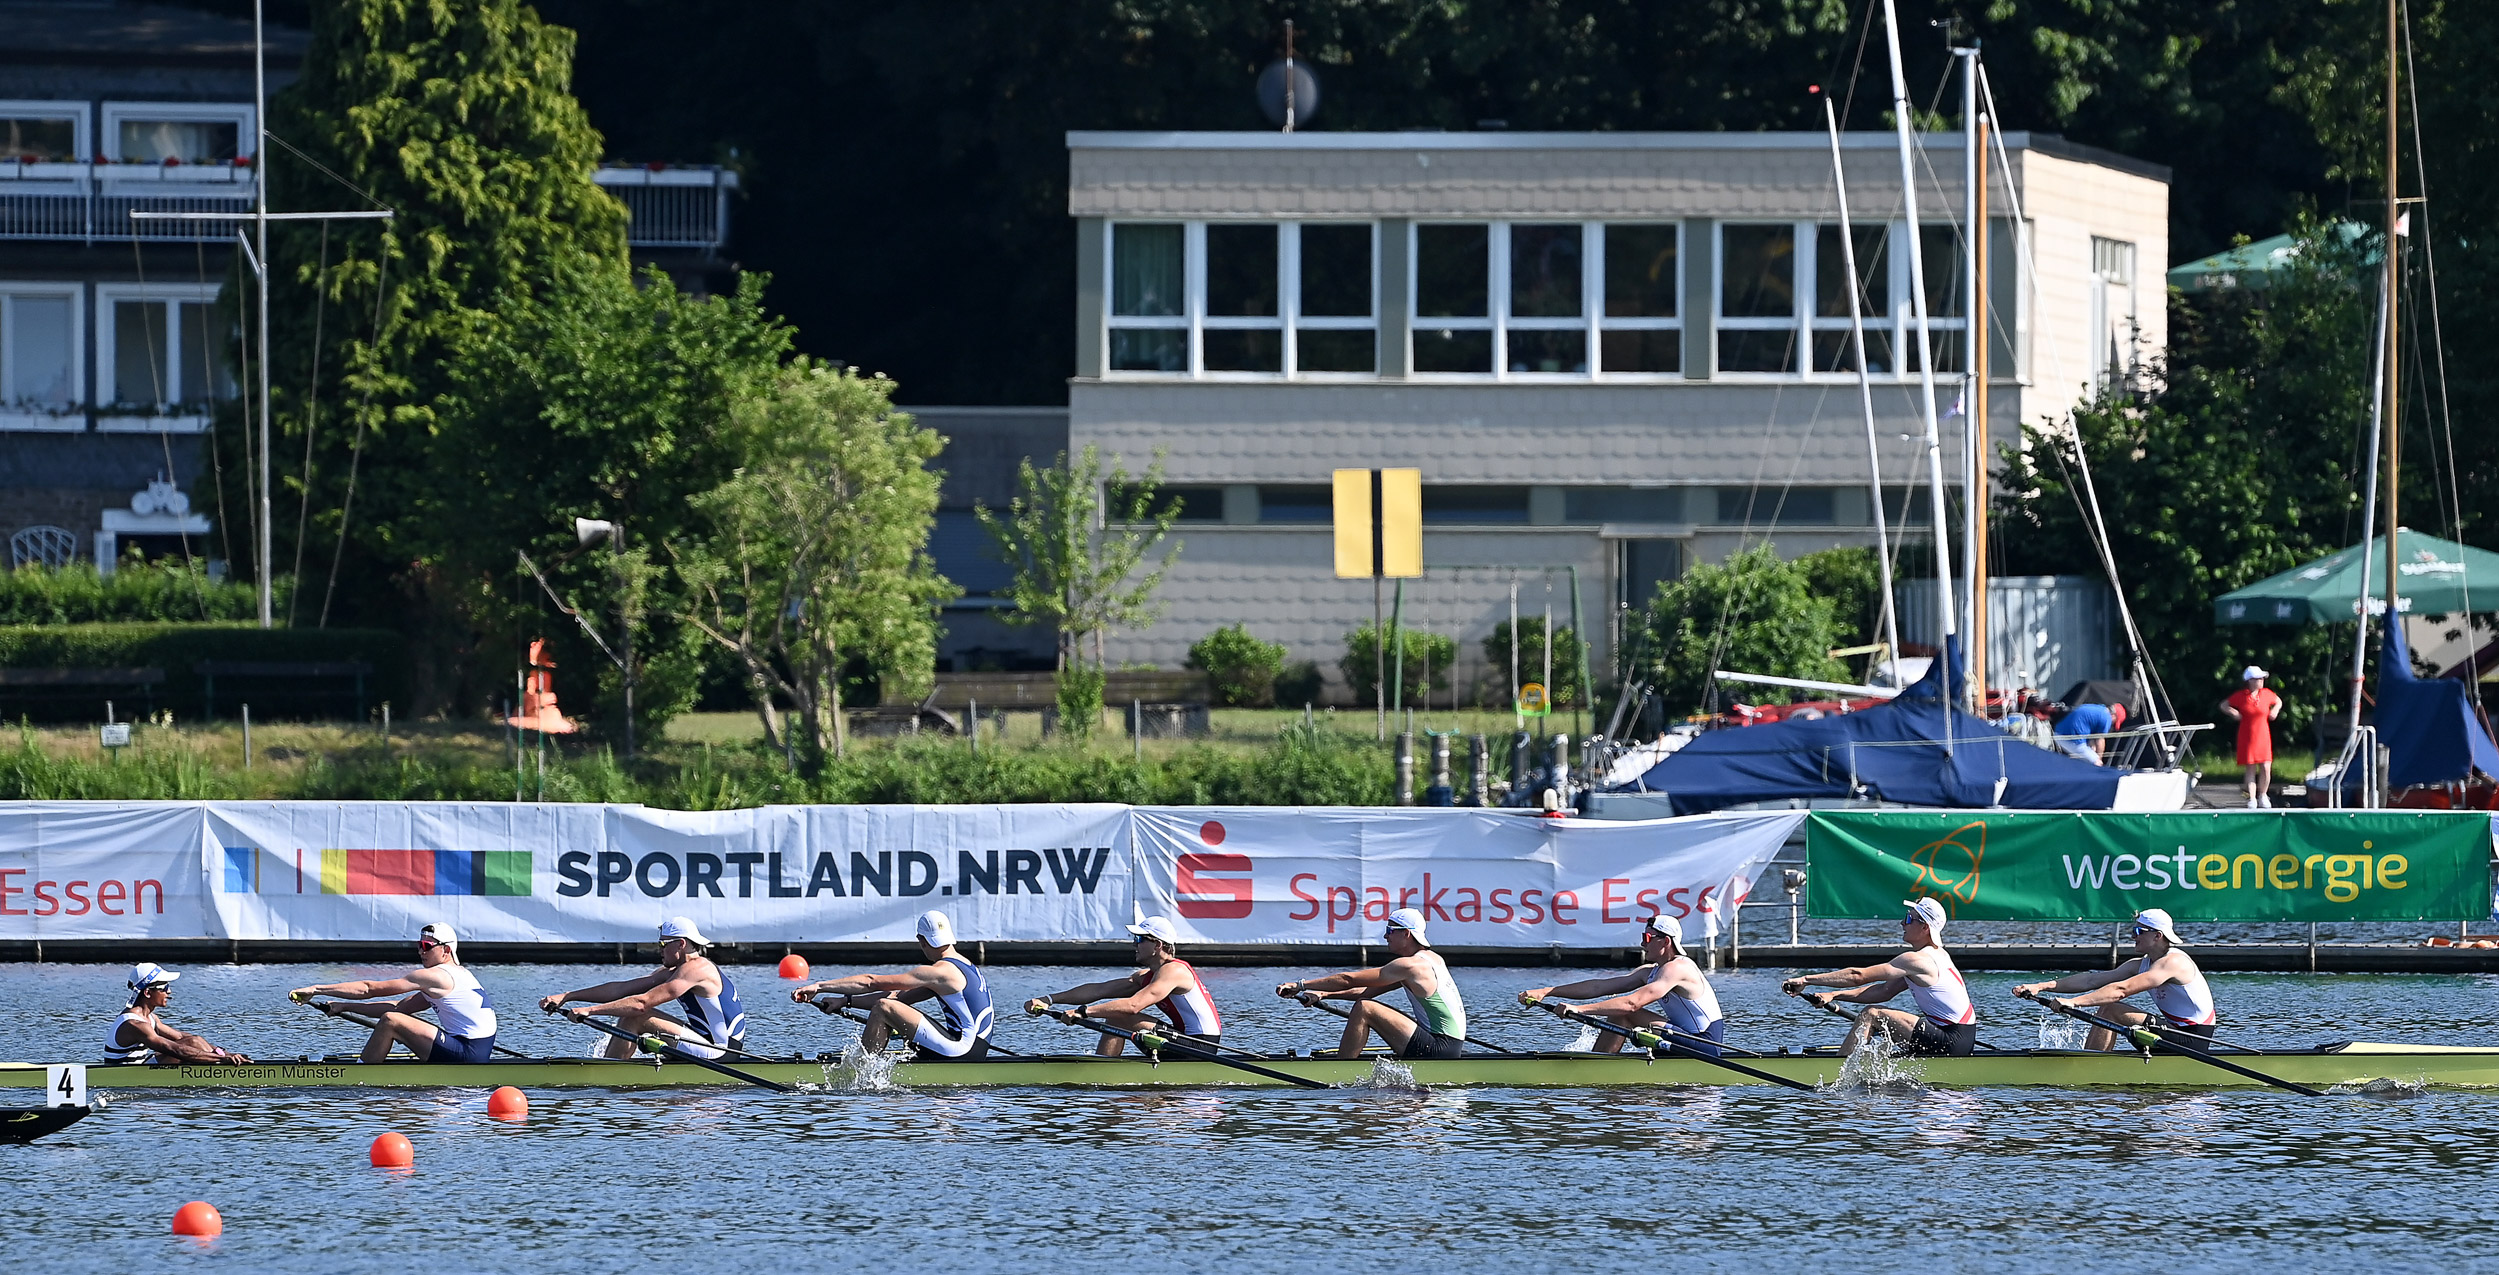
178	649
164	592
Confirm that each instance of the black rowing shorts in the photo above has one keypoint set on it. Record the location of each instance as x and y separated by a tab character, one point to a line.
1934	1040
1423	1044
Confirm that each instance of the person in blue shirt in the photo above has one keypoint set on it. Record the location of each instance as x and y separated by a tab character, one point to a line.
2079	732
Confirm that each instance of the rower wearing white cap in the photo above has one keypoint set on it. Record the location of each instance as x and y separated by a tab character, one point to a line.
2161	966
1669	989
1437	1028
139	1036
464	1026
1945	1024
959	1031
714	1022
1161	981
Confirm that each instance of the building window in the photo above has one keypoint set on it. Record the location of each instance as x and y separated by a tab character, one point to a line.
160	351
1453	298
1258	298
2112	313
1622	504
1548	298
1188	504
1296	503
1643	327
1767	270
1766	506
42	547
1471	504
173	134
43	132
40	357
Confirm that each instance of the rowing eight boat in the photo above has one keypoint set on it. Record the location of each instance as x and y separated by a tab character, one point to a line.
2347	1064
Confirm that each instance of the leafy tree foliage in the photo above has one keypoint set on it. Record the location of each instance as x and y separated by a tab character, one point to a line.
1753	613
1430	659
1569	653
1240	667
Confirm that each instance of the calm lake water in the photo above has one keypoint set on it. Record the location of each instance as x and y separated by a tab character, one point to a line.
1250	1181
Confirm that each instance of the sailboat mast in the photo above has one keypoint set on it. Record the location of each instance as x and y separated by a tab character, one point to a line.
260	234
1974	391
1865	389
1926	362
2394	276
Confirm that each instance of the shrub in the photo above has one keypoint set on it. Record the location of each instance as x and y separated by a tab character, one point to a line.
1753	613
1569	657
162	591
1429	661
179	648
1301	682
1241	669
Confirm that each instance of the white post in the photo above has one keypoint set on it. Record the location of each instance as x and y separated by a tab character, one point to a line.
247	737
260	223
1865	396
1973	598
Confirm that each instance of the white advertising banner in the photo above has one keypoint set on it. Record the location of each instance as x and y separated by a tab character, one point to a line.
511	872
1481	878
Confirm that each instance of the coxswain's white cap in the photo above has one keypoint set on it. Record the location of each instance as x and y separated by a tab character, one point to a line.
1664	927
147	974
2253	672
679	927
935	930
2158	919
440	933
1411	921
1927	910
1159	928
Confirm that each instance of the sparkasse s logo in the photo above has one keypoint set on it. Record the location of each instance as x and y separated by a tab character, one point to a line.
1214	898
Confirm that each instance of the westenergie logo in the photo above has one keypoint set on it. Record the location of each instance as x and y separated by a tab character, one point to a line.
2345	875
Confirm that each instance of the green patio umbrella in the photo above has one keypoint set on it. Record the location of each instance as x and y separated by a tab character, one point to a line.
2439	577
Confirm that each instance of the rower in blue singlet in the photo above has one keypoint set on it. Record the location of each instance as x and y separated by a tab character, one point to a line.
714	1022
958	1031
1669	989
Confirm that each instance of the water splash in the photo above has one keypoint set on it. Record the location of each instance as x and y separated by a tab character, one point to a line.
2386	1087
2059	1032
865	1072
1388	1073
1587	1039
1875	1068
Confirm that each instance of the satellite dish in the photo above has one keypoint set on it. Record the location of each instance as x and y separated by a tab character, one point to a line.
1305	92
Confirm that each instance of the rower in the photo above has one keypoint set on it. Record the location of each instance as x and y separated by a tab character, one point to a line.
463	1010
714	1022
1162	982
1437	1028
1669	989
2161	967
139	1036
1946	1024
958	986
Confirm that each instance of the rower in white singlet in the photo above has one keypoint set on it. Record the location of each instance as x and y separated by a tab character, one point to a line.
1436	1027
1945	1024
946	980
1161	982
463	1030
138	1035
714	1024
2161	967
1669	989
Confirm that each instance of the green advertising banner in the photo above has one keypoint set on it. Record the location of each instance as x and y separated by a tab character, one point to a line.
2287	865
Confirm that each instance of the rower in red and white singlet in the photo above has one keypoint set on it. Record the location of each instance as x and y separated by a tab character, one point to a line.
1162	982
1946	1023
2161	967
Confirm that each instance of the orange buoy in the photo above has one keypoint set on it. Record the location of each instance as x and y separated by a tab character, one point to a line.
199	1218
793	966
507	1103
391	1151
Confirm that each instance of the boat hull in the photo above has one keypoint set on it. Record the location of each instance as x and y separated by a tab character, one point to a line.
25	1124
2353	1065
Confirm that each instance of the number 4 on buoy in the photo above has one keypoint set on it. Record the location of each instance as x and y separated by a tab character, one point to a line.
65	1085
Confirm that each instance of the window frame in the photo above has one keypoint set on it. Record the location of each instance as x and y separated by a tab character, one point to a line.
82	136
1599	323
171	297
1897	320
14	417
1288	321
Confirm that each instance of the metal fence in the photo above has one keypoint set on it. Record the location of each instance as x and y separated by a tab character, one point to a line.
2044	632
673	207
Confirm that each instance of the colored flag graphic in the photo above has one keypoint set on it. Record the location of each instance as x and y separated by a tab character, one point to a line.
502	873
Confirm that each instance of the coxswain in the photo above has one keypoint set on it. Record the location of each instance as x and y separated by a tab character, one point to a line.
1161	981
139	1036
714	1022
1437	1028
1945	1024
958	1032
463	1030
1668	990
2161	966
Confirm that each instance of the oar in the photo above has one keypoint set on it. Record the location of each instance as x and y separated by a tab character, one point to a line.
352	1014
1156	1042
862	1019
2145	1038
1653	1042
1316	1001
1206	1043
1723	1047
659	1045
1829	1008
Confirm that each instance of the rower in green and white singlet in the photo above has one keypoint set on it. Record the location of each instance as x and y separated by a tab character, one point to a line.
1437	1026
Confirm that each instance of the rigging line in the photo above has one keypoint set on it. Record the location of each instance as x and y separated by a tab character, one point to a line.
216	455
2438	336
312	411
325	170
159	365
1856	68
364	412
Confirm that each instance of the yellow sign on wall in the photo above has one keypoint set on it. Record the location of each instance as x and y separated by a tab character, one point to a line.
1379	523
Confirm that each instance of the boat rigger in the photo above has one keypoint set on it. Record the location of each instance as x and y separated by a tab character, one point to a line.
2350	1065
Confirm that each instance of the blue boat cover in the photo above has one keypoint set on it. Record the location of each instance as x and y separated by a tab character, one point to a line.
2427	724
1893	751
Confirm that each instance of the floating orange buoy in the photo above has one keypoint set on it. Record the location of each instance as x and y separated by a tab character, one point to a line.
198	1218
507	1103
793	966
391	1151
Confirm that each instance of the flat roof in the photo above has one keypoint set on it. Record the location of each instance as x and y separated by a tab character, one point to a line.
2049	144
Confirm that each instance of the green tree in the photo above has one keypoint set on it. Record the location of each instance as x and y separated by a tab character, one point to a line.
1430	660
817	552
1569	654
1240	669
1753	613
1079	539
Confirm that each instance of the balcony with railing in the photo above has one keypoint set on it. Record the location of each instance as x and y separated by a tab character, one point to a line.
672	205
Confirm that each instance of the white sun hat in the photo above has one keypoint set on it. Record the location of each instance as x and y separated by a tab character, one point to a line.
935	930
